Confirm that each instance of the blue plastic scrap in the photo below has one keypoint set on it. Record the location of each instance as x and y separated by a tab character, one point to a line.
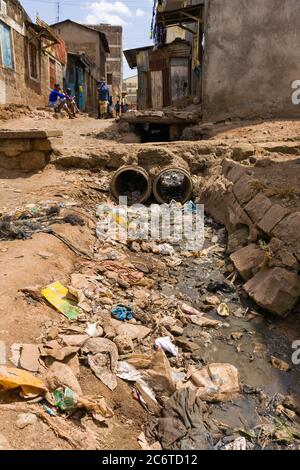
121	312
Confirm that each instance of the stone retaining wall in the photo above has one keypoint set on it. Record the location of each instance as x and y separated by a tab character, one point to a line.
26	150
264	237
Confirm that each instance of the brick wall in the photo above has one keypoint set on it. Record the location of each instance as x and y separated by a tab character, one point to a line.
114	60
16	84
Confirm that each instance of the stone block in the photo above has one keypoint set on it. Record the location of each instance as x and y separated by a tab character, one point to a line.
42	144
248	260
237	239
288	230
281	256
257	207
275	289
17	145
29	134
31	161
244	189
272	217
236	173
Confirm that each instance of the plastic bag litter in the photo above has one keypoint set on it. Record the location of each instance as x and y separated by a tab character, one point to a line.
166	344
64	399
143	393
11	378
56	295
122	312
127	372
238	444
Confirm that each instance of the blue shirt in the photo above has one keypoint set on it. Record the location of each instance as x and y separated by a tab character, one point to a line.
54	95
103	92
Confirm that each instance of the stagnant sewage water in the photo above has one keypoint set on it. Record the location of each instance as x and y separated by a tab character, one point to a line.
248	341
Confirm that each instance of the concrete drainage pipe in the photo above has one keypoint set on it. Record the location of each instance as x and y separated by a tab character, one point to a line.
133	182
173	184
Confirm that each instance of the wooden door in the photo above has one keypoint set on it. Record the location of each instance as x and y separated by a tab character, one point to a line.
157	90
180	78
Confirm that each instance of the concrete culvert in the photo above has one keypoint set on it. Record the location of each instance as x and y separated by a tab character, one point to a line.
133	182
173	184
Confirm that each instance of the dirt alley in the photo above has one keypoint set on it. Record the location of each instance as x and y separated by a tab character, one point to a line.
247	341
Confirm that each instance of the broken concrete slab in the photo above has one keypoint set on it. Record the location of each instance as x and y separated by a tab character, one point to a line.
276	290
248	260
235	173
29	134
103	360
74	340
272	217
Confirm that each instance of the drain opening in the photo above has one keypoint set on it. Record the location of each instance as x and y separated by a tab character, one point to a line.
131	182
149	132
173	184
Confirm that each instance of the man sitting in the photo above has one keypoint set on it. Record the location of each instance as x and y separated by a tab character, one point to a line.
57	100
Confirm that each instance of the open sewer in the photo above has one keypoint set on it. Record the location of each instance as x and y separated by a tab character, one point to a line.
152	132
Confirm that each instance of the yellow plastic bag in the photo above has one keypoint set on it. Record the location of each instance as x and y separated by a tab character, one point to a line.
56	295
11	378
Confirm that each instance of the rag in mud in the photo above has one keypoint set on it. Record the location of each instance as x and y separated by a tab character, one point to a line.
181	425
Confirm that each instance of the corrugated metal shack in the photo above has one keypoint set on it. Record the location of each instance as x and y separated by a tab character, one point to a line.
164	74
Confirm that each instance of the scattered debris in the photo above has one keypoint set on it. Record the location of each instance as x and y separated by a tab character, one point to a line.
121	312
56	295
223	310
215	382
279	364
238	444
181	426
103	359
11	378
26	419
166	344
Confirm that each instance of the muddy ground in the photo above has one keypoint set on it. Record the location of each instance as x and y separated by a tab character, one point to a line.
265	412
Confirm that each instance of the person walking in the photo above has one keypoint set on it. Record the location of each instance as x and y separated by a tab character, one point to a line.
117	108
103	91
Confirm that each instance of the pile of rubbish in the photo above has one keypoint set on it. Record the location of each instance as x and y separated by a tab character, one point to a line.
175	230
129	315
